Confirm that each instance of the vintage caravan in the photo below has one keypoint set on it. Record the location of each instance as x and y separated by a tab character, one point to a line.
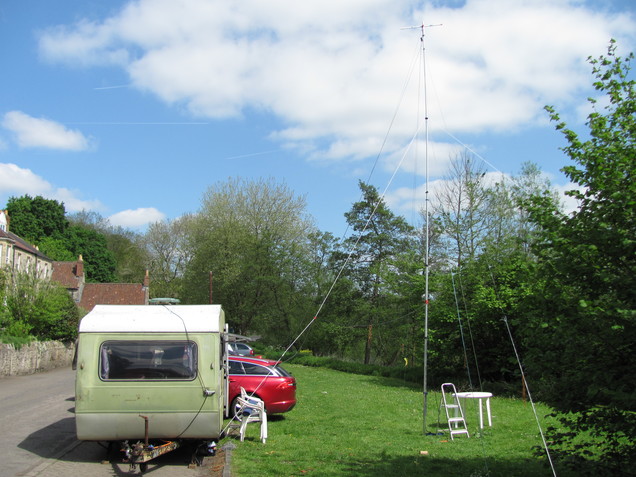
150	372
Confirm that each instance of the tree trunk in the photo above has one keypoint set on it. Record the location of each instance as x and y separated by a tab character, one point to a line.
367	348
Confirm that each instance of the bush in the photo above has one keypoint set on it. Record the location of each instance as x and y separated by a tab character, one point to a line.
38	309
55	316
17	334
410	374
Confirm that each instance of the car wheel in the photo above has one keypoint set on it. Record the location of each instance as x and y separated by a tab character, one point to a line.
235	409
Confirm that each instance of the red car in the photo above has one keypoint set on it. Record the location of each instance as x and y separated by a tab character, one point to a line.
264	379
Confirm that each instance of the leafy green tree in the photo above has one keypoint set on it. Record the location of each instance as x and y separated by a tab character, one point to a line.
485	235
99	262
43	222
56	249
90	220
530	182
129	253
322	269
336	301
36	218
336	331
126	246
476	216
169	252
461	209
379	237
252	236
582	338
470	308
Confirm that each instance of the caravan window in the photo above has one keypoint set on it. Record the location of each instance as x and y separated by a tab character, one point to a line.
148	360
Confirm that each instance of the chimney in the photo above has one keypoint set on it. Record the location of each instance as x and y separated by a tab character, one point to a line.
79	267
4	220
146	280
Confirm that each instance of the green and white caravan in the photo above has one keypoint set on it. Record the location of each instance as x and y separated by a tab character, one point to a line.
151	372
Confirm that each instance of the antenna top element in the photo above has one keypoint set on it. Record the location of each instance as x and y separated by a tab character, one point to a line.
420	27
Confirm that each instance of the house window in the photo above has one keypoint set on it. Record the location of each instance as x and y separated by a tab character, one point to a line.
152	360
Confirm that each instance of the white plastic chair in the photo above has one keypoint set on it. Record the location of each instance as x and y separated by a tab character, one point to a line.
251	409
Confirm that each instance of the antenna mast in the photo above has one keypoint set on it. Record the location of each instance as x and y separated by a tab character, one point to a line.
425	296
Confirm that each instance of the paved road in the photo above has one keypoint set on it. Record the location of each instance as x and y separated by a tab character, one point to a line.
37	434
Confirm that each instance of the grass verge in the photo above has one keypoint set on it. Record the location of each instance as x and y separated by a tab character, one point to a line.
367	426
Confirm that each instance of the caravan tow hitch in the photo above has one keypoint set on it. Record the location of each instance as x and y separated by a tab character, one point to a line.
141	453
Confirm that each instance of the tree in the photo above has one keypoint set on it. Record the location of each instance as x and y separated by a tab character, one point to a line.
252	235
379	238
43	222
484	267
99	262
475	215
582	338
168	247
336	331
131	260
126	246
461	209
56	249
531	182
33	219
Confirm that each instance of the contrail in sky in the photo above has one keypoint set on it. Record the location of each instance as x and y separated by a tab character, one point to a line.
128	123
252	154
112	87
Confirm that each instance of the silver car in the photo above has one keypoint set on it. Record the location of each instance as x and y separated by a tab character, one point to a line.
239	349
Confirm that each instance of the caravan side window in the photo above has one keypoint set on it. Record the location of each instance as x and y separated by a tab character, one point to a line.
148	360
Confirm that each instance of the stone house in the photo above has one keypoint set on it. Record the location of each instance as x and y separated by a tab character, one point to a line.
19	256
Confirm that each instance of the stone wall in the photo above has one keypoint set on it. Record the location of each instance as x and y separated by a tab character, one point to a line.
34	357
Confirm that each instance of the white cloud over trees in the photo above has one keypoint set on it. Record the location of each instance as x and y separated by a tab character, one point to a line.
328	69
30	132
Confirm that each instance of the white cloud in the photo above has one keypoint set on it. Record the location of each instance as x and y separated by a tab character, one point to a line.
406	200
74	204
16	182
412	158
33	132
332	71
137	217
87	43
570	204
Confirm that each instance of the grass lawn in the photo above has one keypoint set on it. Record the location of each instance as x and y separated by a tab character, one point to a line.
365	426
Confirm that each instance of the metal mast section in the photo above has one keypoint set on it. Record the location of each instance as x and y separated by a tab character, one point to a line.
425	296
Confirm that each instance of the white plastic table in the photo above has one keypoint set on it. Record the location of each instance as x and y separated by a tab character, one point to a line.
481	396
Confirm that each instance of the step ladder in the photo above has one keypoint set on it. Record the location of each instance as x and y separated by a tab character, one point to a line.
450	401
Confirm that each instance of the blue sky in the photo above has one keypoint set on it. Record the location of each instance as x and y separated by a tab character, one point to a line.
134	109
